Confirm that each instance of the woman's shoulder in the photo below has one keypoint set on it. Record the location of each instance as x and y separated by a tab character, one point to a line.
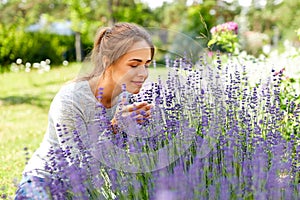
73	95
74	86
74	91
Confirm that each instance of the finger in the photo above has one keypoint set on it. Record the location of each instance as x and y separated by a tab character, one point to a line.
149	106
148	114
144	112
145	108
135	106
142	116
141	119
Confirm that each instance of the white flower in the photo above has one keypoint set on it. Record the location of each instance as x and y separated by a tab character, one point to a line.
28	65
65	63
19	61
48	61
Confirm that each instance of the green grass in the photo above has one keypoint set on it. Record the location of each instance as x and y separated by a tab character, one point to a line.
24	102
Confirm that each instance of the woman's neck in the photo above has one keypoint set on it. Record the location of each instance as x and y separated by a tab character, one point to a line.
110	90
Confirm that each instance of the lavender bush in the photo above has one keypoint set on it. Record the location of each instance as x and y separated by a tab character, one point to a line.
211	136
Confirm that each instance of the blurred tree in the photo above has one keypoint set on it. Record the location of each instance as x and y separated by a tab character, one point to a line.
200	19
192	23
78	11
193	20
196	24
131	11
261	16
15	39
273	17
24	13
167	26
225	10
85	16
288	13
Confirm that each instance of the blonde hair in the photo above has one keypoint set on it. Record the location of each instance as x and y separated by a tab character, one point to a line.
113	42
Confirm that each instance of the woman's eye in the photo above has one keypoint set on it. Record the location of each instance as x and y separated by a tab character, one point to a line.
134	66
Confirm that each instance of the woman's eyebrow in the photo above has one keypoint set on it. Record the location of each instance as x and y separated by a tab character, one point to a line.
139	60
135	59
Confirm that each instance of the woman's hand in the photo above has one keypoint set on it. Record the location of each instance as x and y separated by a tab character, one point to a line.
140	112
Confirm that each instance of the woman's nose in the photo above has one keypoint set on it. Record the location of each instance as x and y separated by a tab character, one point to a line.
143	71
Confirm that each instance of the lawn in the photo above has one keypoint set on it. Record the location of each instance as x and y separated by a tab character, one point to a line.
24	103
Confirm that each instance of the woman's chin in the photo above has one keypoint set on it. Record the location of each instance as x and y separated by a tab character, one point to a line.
134	91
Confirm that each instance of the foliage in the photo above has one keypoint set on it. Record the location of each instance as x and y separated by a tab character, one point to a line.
130	11
33	47
298	33
267	18
179	34
87	16
224	37
290	92
196	25
290	98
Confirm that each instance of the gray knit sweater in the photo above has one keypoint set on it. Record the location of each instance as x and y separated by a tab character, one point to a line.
74	104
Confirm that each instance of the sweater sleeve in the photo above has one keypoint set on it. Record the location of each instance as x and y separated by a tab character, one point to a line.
72	114
67	125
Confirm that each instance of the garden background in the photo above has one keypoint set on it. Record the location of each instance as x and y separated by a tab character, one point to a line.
43	44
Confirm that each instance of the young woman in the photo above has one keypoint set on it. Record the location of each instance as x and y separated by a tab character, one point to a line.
121	56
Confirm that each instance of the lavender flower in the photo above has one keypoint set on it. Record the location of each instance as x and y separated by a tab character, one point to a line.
211	136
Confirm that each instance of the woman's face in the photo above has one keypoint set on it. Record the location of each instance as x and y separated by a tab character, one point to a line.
132	68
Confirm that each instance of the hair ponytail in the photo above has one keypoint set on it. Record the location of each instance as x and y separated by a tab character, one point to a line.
96	56
99	36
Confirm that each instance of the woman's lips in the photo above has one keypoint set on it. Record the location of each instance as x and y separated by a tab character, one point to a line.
138	83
